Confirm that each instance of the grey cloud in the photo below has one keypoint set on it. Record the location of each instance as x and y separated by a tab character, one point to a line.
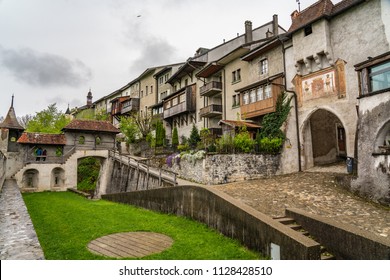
154	52
44	69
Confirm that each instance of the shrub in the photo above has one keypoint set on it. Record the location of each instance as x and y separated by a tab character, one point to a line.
225	144
175	138
243	142
271	145
194	137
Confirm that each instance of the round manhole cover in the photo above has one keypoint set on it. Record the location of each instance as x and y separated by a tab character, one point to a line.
130	244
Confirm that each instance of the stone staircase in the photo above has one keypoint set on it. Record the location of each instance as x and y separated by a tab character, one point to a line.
291	223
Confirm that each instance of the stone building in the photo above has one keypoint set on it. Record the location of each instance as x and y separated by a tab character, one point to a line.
373	147
56	168
323	44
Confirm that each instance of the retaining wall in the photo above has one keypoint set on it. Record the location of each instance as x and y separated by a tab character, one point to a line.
221	169
343	241
227	215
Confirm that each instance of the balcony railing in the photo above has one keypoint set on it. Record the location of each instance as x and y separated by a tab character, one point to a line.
210	89
259	108
175	110
132	106
211	111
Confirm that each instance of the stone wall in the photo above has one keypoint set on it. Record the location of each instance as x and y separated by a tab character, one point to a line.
373	164
125	178
227	215
221	169
343	241
3	166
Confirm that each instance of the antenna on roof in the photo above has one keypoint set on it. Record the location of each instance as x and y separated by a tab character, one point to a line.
299	5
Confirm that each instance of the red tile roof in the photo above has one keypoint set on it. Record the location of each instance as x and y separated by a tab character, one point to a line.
91	125
11	121
320	9
43	139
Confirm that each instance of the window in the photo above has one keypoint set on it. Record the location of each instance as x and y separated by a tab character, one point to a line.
166	77
147	91
245	98
174	101
168	105
380	76
236	100
98	140
264	67
308	30
81	140
151	89
161	80
252	96
236	76
267	92
374	75
182	98
142	93
259	94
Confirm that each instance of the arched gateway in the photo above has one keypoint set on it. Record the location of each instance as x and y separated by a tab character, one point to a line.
324	139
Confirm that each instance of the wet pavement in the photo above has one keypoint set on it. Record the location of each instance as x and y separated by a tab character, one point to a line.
316	192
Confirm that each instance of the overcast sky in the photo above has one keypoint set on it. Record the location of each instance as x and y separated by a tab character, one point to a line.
54	51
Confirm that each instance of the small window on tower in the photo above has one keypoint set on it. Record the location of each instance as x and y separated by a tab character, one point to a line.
308	30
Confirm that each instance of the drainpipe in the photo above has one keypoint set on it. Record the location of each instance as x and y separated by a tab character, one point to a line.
295	104
224	93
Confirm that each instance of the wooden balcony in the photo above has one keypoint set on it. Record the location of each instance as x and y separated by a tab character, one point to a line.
210	89
129	106
211	111
181	102
259	108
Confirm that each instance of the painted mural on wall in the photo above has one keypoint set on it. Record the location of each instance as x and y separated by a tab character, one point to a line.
319	85
324	83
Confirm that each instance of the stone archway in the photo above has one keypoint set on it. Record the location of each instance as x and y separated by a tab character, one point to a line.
324	139
30	179
57	180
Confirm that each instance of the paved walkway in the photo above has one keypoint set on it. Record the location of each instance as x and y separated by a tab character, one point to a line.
18	240
315	192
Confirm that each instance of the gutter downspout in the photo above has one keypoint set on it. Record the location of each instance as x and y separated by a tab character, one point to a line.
295	105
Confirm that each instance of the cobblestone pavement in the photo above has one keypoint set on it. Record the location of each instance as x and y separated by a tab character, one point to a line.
315	192
18	240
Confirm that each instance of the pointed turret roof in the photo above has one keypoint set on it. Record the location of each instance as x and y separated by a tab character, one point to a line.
10	121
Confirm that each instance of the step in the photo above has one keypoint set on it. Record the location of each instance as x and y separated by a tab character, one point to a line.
295	226
284	220
327	257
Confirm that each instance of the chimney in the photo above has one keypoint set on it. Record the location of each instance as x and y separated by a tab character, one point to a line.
294	15
248	32
275	25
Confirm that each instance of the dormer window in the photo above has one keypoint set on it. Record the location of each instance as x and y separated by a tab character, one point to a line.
308	30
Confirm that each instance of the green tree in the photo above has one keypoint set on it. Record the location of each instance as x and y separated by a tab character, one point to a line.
49	120
175	138
129	128
194	137
160	133
88	173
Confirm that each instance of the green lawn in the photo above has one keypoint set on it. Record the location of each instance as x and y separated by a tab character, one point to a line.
65	223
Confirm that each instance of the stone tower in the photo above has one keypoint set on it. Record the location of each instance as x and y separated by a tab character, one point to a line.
89	98
11	130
